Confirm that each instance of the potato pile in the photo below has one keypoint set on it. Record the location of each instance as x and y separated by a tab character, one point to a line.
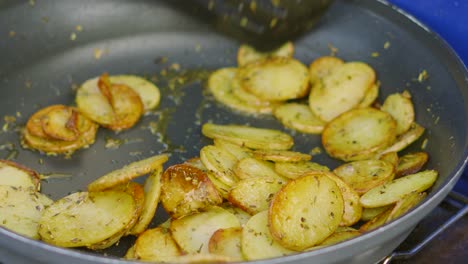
115	102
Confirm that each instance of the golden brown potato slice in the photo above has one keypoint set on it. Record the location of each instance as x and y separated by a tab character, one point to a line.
254	195
127	173
156	245
275	79
342	90
186	190
251	168
306	211
348	136
34	124
227	242
127	107
370	96
193	232
21	210
250	98
395	190
148	92
323	66
281	155
401	108
411	163
377	221
250	137
340	236
247	54
238	151
299	117
84	219
363	175
370	213
257	241
405	204
61	123
220	162
293	170
17	175
390	157
405	139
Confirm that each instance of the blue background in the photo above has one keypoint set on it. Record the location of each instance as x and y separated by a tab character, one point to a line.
449	19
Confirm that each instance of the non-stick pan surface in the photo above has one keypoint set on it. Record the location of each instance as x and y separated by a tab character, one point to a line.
44	56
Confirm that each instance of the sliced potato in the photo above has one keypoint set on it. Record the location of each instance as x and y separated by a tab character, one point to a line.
250	98
187	190
411	163
306	211
17	175
405	204
281	155
297	169
220	162
323	66
363	175
238	151
251	168
370	96
148	92
405	139
247	54
275	79
60	123
250	137
402	110
299	117
192	233
21	210
341	236
127	107
347	137
369	213
254	195
130	255
221	187
34	123
227	242
341	91
377	221
390	157
395	190
84	219
128	172
157	245
257	241
241	215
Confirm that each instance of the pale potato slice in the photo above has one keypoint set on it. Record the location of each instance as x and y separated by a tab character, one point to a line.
128	172
60	123
363	175
275	79
370	96
250	137
348	136
193	232
152	191
341	91
221	187
251	168
370	213
21	210
340	236
402	110
227	242
186	190
299	117
17	175
411	163
156	245
242	215
306	211
281	155
220	162
395	190
250	98
405	139
257	241
377	221
254	195
238	151
293	170
405	204
84	219
390	157
247	54
148	92
130	255
323	66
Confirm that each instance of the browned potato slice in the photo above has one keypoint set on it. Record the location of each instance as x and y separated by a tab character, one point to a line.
370	213
127	107
405	204
323	66
297	169
128	172
250	137
34	124
377	221
347	137
401	108
306	211
84	219
363	175
251	168
187	189
405	139
342	90
17	175
250	98
21	210
411	163
238	151
60	123
341	236
148	92
300	117
220	162
370	96
254	195
281	155
241	215
193	232
275	79
395	190
390	157
257	241
157	245
227	242
247	54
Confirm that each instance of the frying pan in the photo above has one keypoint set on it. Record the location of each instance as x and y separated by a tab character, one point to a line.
44	57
